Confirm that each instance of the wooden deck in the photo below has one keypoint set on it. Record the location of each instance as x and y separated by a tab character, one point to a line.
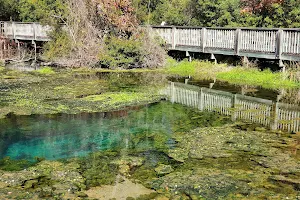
271	114
24	31
275	44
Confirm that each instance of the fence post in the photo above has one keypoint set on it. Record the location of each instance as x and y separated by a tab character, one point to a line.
237	41
200	99
34	31
279	44
233	107
274	116
13	29
172	92
203	39
174	37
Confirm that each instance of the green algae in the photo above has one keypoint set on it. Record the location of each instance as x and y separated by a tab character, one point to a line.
69	91
46	71
8	164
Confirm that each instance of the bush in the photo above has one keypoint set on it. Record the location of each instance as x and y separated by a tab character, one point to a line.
120	52
59	46
141	50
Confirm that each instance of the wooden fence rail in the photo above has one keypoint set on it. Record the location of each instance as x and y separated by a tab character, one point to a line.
265	112
277	44
25	31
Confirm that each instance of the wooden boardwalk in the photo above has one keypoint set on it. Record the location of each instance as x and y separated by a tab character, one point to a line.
275	44
271	114
24	31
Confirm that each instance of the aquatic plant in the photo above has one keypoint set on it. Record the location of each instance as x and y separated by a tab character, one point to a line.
8	164
45	71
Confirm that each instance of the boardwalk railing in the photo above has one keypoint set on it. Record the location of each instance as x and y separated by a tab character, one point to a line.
25	31
265	112
281	44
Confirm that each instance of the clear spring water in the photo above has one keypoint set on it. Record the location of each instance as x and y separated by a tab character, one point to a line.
65	136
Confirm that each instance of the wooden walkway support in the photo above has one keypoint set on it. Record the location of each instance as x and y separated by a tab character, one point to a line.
271	114
275	44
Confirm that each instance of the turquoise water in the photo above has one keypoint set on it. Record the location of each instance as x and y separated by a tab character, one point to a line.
65	136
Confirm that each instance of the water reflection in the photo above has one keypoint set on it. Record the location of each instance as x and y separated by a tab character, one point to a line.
290	96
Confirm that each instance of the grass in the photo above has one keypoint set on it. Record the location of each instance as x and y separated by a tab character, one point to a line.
197	69
266	78
235	75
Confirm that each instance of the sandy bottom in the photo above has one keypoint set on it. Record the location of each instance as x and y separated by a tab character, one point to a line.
119	191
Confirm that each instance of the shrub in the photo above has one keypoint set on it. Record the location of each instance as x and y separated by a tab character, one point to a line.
141	50
120	52
59	46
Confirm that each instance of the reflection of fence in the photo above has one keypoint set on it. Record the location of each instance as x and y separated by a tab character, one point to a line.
266	112
282	44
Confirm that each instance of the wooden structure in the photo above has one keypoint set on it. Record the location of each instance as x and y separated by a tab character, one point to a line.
25	31
275	44
274	115
21	32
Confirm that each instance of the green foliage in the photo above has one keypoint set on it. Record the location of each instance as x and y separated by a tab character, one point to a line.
45	71
183	68
97	169
175	12
266	78
197	69
59	46
121	52
140	50
213	13
46	11
9	10
14	165
239	75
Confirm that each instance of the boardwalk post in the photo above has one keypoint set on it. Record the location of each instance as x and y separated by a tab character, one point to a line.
274	119
172	92
34	44
186	81
279	43
13	25
279	48
237	41
19	49
233	102
174	37
203	39
200	100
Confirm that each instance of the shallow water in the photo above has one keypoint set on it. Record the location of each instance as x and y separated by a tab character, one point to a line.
64	136
159	146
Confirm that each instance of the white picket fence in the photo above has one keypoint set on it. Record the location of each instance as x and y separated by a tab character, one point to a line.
240	107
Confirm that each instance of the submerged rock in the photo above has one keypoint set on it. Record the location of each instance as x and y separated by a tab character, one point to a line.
164	169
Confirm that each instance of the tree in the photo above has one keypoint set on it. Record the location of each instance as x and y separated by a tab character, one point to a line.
45	11
9	10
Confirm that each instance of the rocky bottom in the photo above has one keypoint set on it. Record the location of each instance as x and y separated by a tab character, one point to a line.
227	162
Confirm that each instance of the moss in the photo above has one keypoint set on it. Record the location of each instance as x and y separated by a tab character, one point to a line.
74	91
45	71
14	165
98	170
